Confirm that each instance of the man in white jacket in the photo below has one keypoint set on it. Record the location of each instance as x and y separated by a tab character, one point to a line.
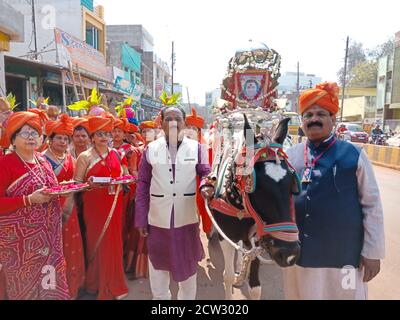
166	207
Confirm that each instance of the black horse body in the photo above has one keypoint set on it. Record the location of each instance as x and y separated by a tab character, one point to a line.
271	200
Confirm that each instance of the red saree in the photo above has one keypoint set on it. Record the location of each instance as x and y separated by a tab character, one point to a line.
30	237
105	273
72	239
136	258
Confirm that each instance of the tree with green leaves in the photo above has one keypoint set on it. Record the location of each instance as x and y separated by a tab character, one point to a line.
362	63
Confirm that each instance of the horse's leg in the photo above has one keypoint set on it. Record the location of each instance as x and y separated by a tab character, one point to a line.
229	270
239	258
254	280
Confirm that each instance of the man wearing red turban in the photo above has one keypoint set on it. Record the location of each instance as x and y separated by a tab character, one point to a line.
339	211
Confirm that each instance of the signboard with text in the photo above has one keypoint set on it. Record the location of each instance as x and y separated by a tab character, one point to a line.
78	52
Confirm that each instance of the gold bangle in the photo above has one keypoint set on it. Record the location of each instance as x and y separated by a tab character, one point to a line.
24	200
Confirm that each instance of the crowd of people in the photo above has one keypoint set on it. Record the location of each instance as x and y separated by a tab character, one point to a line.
54	247
62	247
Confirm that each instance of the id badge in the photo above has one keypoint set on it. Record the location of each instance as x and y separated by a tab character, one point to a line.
306	177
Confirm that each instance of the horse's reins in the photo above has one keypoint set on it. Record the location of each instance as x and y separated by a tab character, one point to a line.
286	231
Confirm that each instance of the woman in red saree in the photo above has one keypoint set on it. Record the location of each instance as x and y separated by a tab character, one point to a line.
31	253
59	134
102	213
137	259
121	129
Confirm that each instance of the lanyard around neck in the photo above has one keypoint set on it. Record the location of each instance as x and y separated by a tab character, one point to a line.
314	162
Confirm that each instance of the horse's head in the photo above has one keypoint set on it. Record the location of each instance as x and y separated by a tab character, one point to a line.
268	196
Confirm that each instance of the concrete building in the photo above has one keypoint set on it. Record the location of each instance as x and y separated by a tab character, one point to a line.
288	82
11	30
388	89
66	31
122	56
212	96
161	77
141	40
359	105
79	18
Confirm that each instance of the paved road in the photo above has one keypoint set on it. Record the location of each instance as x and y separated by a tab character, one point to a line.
385	286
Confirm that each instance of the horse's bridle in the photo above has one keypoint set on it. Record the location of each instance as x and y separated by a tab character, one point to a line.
286	231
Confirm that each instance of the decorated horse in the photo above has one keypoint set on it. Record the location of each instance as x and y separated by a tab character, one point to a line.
253	208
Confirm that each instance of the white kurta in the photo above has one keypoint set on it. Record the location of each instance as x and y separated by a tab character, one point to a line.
337	284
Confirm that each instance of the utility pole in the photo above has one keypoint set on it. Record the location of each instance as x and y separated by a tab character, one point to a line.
298	87
34	27
187	90
173	66
344	77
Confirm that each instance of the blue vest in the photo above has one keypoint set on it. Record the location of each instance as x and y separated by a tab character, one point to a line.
328	211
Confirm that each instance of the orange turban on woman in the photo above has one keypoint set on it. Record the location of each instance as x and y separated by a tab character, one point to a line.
42	115
17	121
195	120
81	122
62	126
122	124
104	122
324	95
148	125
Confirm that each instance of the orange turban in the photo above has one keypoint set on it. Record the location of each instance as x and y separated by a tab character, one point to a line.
62	126
105	122
132	128
195	120
17	121
324	95
148	125
42	115
122	124
81	122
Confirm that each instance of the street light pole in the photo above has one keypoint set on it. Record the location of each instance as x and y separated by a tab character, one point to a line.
34	28
298	87
173	66
344	77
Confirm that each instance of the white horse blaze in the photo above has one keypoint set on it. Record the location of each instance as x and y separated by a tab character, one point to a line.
275	171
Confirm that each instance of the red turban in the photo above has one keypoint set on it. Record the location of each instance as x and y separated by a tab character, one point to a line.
148	125
195	120
62	126
104	122
81	122
17	121
324	95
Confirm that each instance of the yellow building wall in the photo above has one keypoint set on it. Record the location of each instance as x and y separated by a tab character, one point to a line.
96	19
358	92
4	42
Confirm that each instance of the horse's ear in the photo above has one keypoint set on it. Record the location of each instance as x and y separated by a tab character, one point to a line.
249	133
281	131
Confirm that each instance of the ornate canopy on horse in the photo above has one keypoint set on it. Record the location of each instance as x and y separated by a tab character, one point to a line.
254	181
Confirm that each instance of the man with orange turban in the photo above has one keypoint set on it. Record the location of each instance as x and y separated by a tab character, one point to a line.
194	125
339	211
80	136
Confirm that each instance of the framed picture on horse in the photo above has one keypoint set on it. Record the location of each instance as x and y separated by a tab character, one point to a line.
251	87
